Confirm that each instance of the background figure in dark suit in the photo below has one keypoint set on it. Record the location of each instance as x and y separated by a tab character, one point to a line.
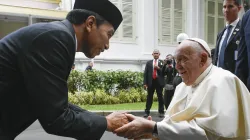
243	61
154	80
169	72
225	55
89	67
35	62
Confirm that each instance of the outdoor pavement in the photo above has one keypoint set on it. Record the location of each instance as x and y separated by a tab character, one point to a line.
36	132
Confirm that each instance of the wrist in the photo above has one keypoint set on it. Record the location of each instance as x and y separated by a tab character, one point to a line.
155	131
108	124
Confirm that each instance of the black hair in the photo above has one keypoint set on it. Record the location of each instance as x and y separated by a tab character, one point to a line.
236	2
79	16
169	55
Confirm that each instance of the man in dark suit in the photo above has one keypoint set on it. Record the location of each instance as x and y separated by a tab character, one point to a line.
35	63
89	67
169	72
243	61
225	54
154	80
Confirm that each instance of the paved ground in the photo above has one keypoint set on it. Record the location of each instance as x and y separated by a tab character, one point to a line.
35	132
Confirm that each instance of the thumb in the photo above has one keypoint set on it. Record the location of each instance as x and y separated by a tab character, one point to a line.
150	118
130	117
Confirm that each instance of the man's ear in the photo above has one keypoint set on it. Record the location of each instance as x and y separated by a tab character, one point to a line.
204	57
90	23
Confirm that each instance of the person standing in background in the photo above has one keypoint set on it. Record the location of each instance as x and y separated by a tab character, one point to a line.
154	80
90	66
228	39
169	72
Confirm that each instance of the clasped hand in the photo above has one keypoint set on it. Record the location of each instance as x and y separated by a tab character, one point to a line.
131	127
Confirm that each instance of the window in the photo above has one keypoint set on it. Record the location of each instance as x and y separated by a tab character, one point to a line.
171	20
214	20
126	31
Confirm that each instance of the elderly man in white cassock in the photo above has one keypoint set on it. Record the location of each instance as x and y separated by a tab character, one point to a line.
210	103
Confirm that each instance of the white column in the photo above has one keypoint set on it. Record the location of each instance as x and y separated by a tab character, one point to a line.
195	18
66	5
72	4
146	25
30	20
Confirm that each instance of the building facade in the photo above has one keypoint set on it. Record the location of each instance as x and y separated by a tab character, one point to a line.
147	25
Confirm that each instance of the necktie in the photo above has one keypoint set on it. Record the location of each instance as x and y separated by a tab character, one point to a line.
223	47
155	70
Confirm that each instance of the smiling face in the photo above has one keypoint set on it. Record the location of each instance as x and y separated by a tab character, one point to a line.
189	62
94	39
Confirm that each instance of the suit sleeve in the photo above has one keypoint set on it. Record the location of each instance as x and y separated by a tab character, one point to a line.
242	61
182	130
45	67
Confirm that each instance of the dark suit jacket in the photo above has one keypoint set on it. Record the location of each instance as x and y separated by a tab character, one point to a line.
35	63
88	68
170	73
229	58
148	73
243	61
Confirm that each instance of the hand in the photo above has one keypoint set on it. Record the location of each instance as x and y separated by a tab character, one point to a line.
165	62
116	120
145	87
137	127
156	67
146	136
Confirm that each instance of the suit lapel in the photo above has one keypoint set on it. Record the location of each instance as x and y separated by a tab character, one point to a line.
234	33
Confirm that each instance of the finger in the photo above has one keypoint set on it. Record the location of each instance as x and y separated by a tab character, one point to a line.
122	129
123	133
124	112
150	118
130	117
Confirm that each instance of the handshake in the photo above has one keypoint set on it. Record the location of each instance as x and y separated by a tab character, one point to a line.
130	126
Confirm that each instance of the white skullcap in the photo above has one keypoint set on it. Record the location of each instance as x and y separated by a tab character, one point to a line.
202	43
181	37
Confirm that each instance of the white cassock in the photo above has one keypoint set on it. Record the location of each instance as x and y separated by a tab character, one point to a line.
216	107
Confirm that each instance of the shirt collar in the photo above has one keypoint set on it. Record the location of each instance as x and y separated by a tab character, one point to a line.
235	22
203	75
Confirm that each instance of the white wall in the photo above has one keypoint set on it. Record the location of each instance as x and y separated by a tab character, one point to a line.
30	3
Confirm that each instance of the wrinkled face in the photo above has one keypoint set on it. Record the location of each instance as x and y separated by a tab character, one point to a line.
97	39
187	63
156	54
230	10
